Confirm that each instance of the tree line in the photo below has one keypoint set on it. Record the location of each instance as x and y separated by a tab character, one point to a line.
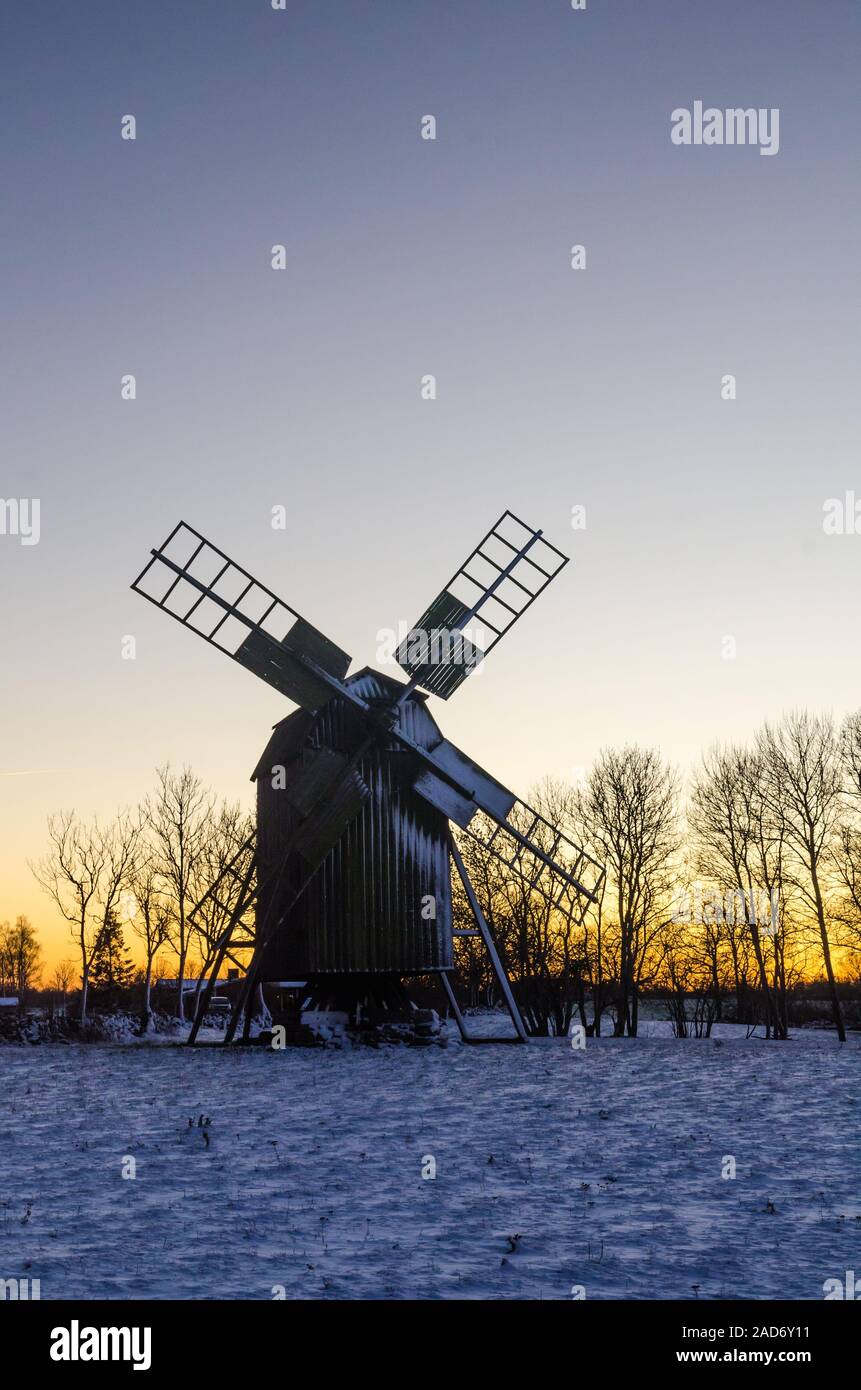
721	894
144	872
730	889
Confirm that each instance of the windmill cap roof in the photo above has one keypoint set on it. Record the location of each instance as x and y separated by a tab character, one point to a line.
290	733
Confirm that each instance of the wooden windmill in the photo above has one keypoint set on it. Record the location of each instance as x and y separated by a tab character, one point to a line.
349	873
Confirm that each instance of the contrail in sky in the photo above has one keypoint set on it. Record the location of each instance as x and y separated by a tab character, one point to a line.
33	772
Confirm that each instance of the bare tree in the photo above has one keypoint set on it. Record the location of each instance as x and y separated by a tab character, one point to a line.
739	839
220	863
846	862
691	971
71	873
85	872
7	970
850	752
846	851
20	954
151	923
846	854
179	816
804	782
629	808
120	842
597	972
61	979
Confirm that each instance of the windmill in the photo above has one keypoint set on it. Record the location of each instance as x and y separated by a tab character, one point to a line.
349	871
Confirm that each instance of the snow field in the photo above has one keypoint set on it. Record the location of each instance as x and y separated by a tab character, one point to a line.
555	1169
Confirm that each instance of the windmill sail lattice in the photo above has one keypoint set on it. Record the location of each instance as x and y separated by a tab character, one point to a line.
192	580
482	601
543	857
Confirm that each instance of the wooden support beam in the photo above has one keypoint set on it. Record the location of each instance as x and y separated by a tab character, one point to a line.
454	1006
496	964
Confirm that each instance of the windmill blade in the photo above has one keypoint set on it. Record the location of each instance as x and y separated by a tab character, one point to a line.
502	577
232	891
534	848
328	796
452	782
193	581
510	829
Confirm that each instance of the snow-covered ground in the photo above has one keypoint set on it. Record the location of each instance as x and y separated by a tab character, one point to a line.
554	1168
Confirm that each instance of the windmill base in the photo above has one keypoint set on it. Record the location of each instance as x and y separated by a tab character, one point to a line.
369	1009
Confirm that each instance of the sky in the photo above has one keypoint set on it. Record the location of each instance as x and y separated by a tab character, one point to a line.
597	388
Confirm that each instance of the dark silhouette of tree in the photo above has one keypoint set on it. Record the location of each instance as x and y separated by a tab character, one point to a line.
86	872
739	840
803	786
20	955
111	968
179	818
151	923
628	807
